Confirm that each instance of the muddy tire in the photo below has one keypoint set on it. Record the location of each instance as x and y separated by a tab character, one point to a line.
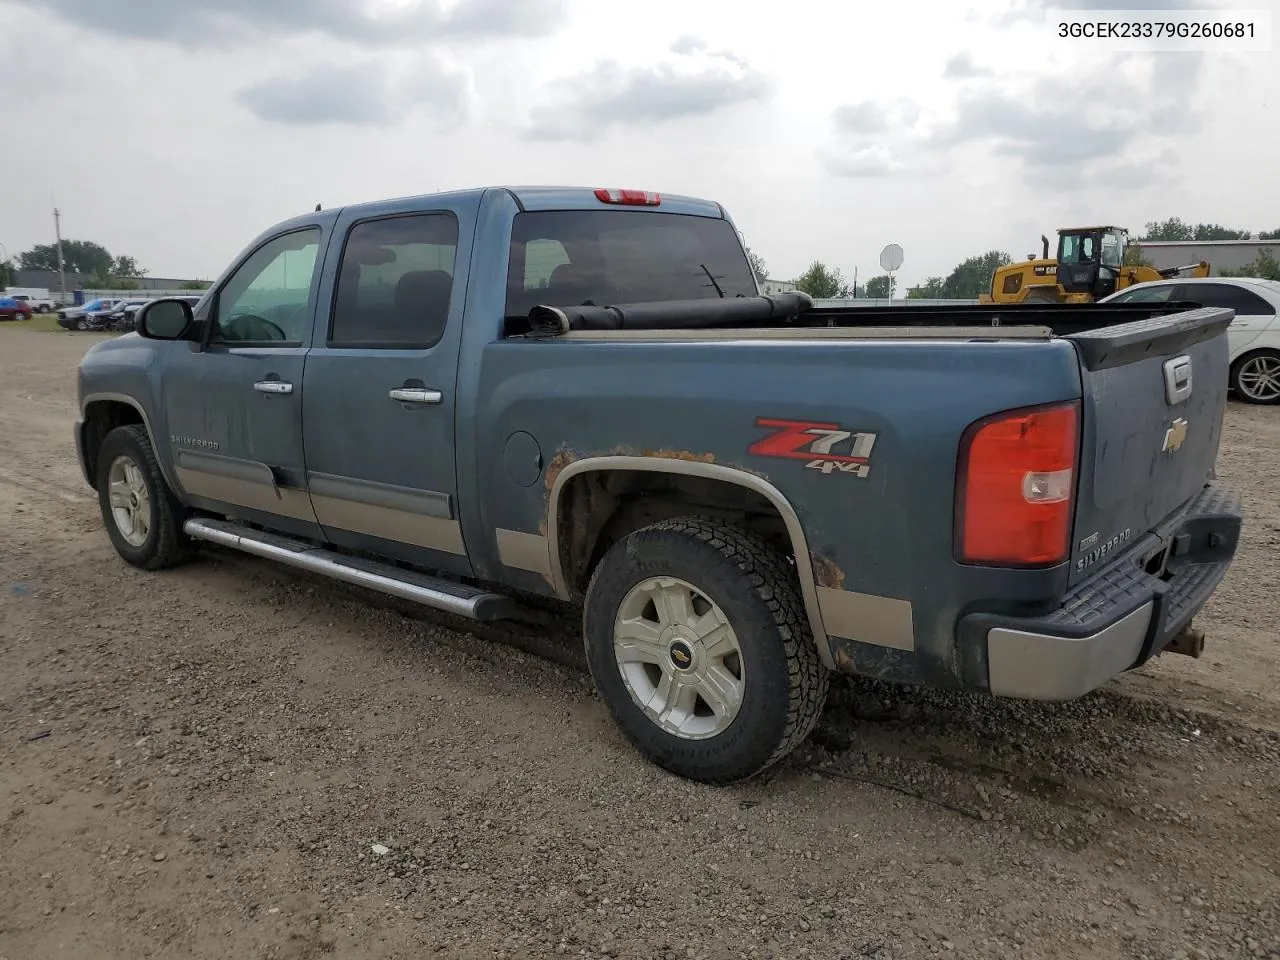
698	643
142	517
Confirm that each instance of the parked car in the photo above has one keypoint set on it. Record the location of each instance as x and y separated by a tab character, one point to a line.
119	317
40	302
745	493
1253	337
14	309
74	318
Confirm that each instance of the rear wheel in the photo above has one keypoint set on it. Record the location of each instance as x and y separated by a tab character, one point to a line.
699	645
143	518
43	308
1256	377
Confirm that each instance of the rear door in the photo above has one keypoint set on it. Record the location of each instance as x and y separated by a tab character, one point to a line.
1154	397
379	404
1253	314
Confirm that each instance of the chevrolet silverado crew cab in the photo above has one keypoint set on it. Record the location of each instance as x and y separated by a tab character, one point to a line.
480	398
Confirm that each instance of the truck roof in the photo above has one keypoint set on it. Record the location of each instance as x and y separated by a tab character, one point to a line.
547	198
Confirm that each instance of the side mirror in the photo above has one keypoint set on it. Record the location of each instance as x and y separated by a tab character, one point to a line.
167	319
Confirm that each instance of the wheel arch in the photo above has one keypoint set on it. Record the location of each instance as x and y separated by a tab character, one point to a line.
103	412
560	548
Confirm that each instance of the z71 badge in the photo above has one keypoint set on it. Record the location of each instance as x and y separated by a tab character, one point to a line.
828	447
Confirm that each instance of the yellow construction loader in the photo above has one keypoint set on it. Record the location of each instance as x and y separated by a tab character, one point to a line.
1089	266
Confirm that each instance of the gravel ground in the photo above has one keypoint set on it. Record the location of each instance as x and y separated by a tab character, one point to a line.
233	760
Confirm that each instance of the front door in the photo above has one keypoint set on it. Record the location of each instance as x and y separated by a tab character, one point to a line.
234	410
378	408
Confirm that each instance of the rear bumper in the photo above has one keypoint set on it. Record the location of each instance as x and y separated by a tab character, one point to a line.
1121	618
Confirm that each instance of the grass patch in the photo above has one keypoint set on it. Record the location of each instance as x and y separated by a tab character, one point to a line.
42	322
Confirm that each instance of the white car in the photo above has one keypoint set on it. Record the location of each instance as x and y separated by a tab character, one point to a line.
1253	337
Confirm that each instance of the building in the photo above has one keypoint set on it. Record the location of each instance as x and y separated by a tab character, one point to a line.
770	287
49	280
1220	254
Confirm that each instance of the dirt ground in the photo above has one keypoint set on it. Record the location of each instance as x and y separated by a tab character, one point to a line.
200	763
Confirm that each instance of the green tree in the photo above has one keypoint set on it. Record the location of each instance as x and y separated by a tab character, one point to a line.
127	267
1269	235
1264	266
931	289
881	287
758	266
824	283
973	276
1176	229
196	285
1215	231
79	256
1133	256
6	273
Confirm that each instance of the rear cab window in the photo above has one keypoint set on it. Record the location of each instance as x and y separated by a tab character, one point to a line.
564	258
396	282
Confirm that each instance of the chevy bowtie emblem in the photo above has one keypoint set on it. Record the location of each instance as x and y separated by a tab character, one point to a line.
1175	435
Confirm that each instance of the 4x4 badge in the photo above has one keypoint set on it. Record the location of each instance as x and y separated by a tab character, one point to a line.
828	447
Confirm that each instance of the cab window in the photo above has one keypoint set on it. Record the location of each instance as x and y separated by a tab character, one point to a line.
396	282
1146	295
266	299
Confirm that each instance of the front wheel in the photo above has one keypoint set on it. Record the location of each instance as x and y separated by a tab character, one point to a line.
698	644
143	518
1256	377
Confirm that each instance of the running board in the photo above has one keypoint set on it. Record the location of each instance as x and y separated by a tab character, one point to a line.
459	599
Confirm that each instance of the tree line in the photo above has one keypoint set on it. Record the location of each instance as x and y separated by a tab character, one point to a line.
102	269
972	276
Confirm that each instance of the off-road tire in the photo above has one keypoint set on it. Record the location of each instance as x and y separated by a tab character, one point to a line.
166	545
786	683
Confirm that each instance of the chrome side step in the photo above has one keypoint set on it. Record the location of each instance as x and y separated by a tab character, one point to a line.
455	598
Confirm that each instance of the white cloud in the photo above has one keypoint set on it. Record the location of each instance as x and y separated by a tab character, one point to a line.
826	130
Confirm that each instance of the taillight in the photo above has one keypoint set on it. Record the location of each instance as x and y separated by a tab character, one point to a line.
1016	487
628	198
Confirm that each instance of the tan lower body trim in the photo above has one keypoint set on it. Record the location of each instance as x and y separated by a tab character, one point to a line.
867	618
290	501
524	551
400	526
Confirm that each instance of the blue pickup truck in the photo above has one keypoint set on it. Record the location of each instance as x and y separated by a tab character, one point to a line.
479	398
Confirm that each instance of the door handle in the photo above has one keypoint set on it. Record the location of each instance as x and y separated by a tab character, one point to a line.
273	386
416	395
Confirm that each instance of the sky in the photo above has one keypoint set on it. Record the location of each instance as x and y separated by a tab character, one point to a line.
174	131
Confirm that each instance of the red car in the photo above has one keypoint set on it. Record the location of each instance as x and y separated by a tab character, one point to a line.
11	309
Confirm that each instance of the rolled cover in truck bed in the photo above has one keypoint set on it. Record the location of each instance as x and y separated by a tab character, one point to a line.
668	314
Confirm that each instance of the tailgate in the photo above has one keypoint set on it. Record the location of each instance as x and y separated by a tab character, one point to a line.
1154	396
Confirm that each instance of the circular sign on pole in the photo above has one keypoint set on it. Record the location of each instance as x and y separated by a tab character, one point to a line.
891	258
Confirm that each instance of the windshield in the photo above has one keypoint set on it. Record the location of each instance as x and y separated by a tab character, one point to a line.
572	257
1156	294
1112	250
